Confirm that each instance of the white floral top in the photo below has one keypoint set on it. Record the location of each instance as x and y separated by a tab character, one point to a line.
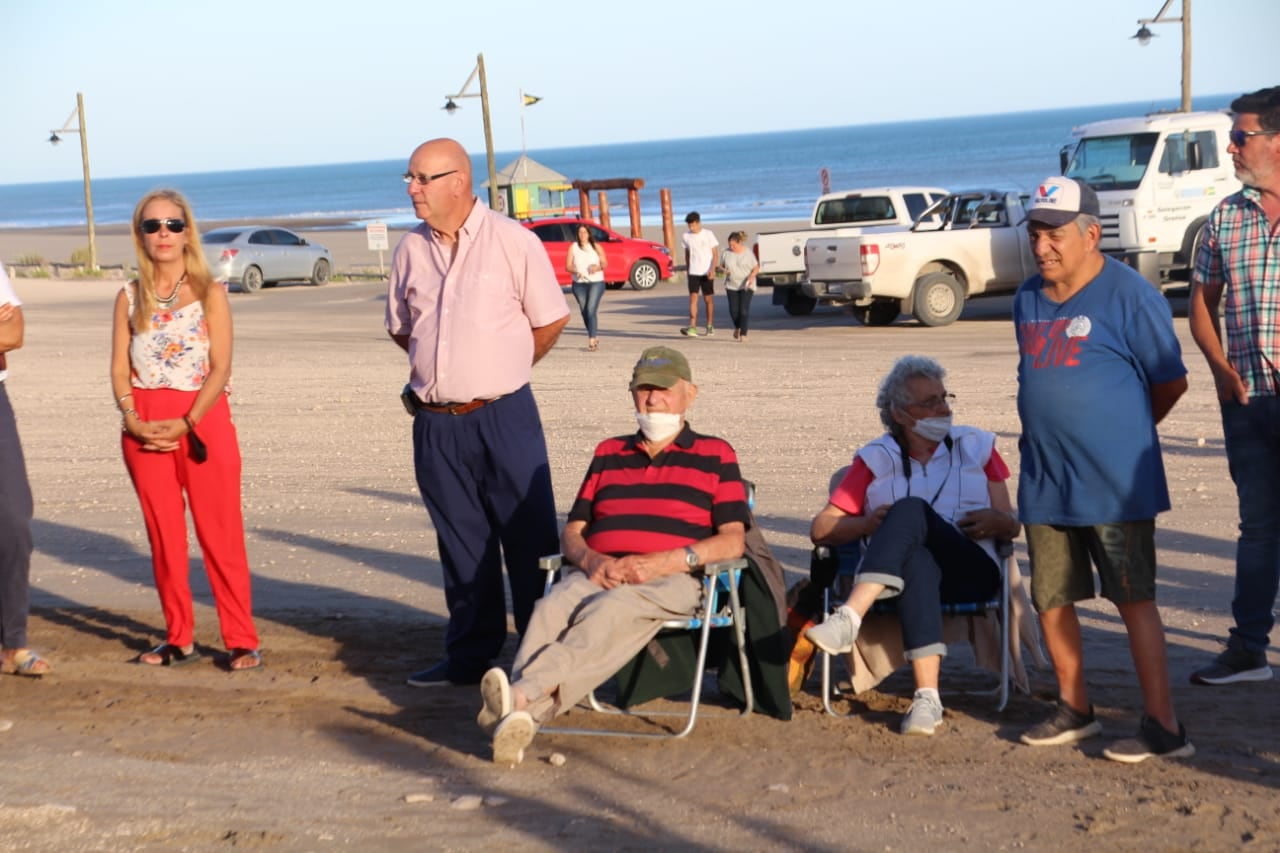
174	351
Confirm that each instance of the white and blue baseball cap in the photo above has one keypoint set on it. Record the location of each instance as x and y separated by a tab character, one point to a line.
1058	201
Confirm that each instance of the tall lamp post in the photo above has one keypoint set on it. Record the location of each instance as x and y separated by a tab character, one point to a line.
451	107
1144	36
54	139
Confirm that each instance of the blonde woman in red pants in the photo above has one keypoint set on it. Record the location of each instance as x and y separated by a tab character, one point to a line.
170	363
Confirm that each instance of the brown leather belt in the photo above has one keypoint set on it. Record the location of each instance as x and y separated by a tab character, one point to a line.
457	408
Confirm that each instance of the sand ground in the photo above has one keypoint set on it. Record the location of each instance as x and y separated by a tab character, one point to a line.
320	749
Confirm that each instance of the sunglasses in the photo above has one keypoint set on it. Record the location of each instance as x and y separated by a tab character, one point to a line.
151	226
1240	137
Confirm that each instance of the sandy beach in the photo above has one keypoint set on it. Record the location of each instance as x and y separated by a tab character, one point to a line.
348	246
327	749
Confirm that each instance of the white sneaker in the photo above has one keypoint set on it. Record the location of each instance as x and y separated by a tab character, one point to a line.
836	635
512	735
924	716
495	694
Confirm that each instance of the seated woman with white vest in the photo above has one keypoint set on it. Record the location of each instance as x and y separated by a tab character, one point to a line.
928	500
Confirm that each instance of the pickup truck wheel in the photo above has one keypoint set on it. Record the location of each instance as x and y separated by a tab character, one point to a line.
938	299
799	305
644	275
881	312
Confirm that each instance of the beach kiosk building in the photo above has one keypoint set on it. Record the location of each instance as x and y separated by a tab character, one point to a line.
528	189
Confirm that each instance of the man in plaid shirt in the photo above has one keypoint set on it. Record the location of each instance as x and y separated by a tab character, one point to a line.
1240	257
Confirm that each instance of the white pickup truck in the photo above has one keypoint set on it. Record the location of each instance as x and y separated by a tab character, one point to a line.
969	243
845	214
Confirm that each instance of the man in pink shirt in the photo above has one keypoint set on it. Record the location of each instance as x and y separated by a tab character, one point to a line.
473	300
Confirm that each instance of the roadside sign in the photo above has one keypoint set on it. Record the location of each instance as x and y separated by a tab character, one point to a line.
376	232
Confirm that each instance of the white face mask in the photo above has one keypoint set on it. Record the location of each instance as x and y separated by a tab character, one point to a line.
659	426
932	429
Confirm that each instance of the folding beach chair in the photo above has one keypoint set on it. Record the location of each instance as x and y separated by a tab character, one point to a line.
720	607
829	568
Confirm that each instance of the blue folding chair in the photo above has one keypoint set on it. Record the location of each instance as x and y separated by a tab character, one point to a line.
832	567
719	607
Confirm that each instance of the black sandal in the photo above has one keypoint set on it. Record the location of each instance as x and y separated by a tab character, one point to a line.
170	655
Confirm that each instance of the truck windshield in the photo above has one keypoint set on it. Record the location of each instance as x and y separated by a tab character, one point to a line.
1112	162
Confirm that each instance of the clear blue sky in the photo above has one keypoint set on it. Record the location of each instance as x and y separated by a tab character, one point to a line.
176	87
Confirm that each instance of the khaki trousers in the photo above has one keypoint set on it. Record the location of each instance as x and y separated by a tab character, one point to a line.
580	635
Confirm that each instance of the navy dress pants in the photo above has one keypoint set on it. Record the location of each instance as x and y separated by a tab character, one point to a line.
486	482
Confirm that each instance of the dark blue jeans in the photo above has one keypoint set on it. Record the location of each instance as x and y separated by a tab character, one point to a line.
588	294
928	561
486	482
1252	434
739	307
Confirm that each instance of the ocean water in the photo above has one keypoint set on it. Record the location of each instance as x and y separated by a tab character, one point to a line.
748	177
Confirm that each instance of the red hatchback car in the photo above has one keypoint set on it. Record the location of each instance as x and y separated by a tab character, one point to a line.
643	262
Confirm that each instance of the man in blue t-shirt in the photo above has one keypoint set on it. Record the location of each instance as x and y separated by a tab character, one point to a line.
1099	365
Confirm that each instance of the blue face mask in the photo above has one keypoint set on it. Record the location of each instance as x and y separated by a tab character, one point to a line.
932	429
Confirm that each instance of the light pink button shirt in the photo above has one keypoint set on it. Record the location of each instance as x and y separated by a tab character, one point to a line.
470	321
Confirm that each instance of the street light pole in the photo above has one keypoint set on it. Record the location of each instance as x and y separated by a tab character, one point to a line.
451	107
54	139
1144	36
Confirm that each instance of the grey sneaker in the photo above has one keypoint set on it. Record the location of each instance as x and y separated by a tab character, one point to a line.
711	330
512	735
1234	665
1153	741
836	635
1066	726
924	716
689	332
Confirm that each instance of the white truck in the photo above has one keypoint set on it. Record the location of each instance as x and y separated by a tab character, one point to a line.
1157	177
968	244
845	213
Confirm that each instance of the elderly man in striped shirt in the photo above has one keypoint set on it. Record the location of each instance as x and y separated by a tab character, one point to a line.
654	507
1240	258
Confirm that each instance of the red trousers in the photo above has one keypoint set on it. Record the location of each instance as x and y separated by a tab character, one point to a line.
213	490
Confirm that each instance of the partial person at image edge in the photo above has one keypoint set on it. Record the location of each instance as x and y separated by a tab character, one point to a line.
16	508
1239	258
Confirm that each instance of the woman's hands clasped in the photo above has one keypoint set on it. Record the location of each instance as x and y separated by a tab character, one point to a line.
157	436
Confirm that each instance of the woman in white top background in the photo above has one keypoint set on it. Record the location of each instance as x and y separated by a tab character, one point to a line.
586	263
170	365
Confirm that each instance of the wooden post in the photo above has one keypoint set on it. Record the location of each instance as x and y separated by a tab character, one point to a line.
668	225
584	204
633	207
604	209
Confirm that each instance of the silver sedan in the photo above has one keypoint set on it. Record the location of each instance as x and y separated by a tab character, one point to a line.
254	256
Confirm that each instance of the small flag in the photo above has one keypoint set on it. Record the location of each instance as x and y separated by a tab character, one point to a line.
530	100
